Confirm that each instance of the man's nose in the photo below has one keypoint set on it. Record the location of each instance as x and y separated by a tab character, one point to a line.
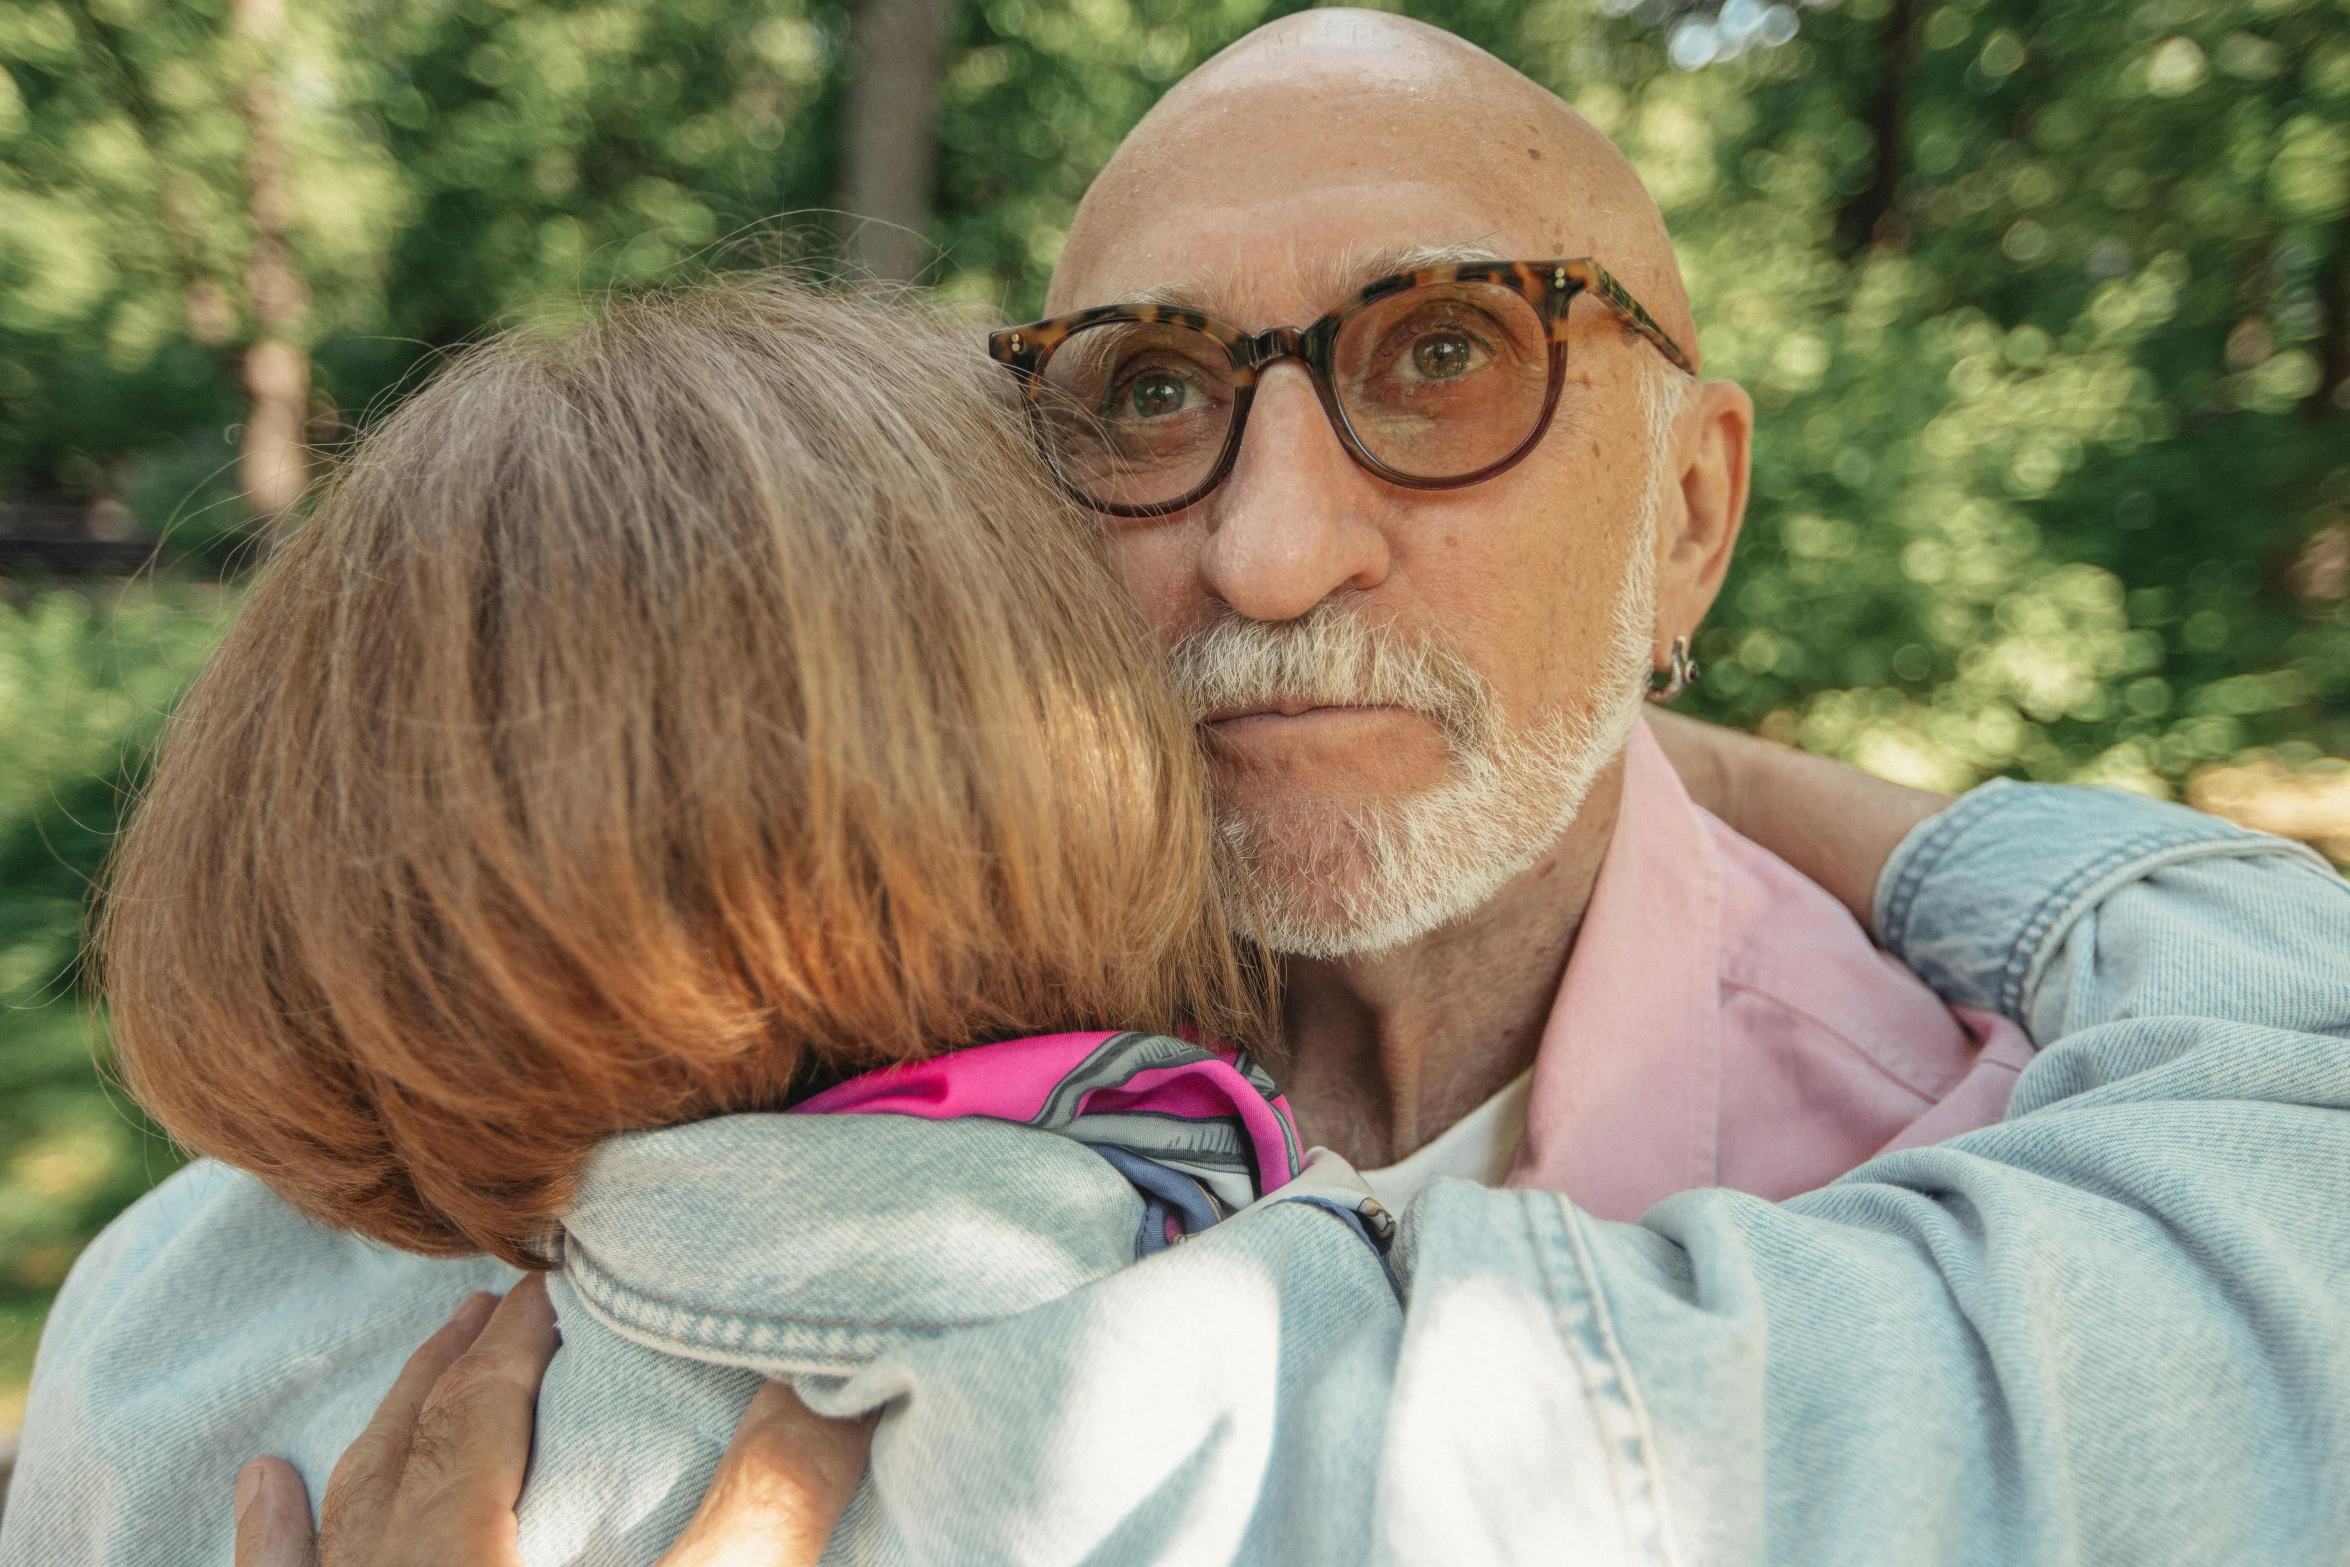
1295	521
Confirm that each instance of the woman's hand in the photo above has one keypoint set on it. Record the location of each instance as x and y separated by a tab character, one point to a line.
1834	823
433	1479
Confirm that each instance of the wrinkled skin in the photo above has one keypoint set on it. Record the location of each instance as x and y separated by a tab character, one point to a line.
1278	178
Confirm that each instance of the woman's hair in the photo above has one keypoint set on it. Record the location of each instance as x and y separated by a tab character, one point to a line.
653	715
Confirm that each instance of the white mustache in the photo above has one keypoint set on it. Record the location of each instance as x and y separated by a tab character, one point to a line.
1332	657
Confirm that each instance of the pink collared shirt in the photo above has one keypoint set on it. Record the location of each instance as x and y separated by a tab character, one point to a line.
1725	1022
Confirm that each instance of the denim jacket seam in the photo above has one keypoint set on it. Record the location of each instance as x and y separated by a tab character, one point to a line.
2057	910
1942	832
2092	882
615	1286
2054	912
1631	1454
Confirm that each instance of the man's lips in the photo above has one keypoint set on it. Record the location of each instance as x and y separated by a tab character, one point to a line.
1221	717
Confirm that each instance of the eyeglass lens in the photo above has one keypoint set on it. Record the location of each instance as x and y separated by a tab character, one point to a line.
1436	382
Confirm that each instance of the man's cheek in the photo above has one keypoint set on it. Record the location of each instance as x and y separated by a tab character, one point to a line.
1155	569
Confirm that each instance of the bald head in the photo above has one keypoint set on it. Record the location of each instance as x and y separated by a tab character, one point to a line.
1295	163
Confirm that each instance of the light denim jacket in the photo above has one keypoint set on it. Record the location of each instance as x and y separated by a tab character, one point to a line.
2112	1328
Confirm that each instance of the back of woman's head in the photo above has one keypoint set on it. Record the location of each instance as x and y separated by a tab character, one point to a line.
651	716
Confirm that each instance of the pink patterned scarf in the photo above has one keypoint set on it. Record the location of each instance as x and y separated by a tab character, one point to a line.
1200	1132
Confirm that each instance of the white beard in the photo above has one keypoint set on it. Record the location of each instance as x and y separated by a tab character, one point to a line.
1336	882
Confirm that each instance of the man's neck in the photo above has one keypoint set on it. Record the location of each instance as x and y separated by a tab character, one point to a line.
1387	1051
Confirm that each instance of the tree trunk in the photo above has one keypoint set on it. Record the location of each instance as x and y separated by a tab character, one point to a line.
274	465
1874	216
891	156
211	315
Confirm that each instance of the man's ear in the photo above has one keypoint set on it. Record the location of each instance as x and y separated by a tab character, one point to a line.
1704	507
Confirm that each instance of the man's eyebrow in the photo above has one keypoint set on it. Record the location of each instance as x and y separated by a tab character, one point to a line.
1333	280
1330	280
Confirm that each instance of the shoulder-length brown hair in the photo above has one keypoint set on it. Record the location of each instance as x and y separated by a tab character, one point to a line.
651	715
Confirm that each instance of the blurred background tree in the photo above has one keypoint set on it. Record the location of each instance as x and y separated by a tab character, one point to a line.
2046	308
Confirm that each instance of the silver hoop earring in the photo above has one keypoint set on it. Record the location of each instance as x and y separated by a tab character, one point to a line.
1669	682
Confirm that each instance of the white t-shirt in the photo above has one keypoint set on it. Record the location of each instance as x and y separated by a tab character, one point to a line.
1479	1147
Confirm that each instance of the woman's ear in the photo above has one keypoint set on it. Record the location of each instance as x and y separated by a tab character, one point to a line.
1704	504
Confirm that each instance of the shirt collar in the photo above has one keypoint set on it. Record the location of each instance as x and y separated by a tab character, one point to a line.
1626	1102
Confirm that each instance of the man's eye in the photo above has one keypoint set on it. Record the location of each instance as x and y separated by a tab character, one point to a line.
1154	394
1440	356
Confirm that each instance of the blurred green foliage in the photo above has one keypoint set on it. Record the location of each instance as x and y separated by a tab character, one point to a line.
2050	346
85	678
2038	488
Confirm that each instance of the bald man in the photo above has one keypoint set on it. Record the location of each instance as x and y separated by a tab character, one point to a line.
1518	952
1418	591
1415	562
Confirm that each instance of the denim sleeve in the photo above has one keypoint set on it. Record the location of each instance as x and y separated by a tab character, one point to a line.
2000	901
2113	1328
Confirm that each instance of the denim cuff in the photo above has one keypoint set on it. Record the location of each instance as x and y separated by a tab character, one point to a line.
1978	898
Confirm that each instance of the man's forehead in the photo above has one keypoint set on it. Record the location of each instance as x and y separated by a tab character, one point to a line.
1269	208
1292	170
1324	277
1290	237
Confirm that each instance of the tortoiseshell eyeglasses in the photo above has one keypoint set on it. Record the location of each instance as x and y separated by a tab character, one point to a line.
1434	379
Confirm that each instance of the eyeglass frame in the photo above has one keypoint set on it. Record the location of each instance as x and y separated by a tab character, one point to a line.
1550	286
